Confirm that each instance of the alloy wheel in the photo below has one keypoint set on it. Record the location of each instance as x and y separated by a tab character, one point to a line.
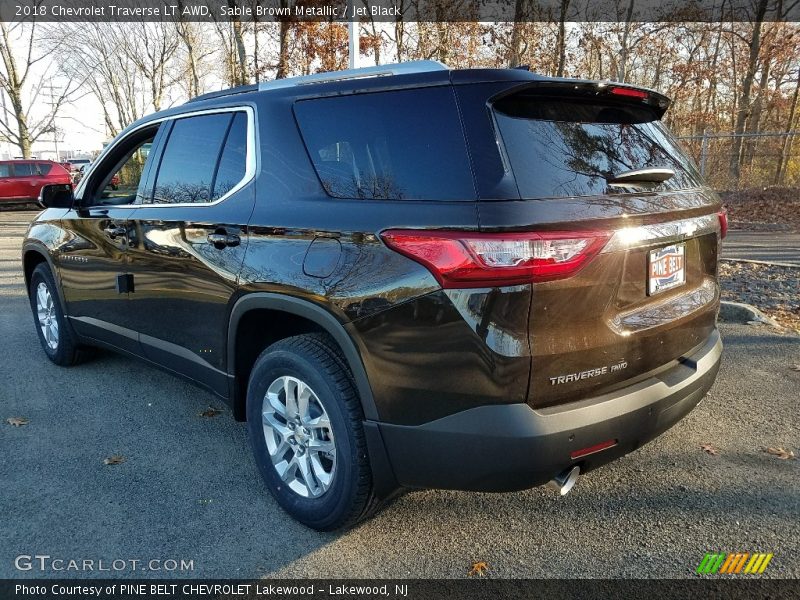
46	314
299	436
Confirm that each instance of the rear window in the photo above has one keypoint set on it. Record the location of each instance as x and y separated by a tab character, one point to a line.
401	145
561	147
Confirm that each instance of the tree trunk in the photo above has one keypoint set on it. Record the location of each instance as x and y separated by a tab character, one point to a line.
283	53
400	38
186	35
743	109
623	54
256	68
562	39
23	140
515	52
242	77
788	140
754	120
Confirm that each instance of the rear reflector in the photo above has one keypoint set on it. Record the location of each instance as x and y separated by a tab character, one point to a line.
629	92
469	260
592	449
723	223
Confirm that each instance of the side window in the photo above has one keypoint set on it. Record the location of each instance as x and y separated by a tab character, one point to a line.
119	179
5	170
190	159
405	145
24	170
233	160
44	168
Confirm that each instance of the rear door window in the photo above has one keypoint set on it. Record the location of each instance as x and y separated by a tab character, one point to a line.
5	170
24	169
233	160
189	162
562	147
401	145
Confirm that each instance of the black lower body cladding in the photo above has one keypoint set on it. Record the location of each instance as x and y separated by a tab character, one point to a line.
512	447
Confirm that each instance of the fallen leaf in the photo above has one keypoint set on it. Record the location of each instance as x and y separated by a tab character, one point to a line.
210	412
781	453
17	421
479	568
709	449
114	460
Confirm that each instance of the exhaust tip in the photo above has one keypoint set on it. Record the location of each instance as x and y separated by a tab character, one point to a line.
566	480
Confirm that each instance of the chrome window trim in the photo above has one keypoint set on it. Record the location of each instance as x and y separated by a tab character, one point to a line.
250	159
671	231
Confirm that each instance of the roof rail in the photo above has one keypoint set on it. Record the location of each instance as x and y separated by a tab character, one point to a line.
416	66
241	89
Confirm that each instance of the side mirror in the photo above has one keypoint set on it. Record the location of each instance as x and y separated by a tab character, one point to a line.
57	195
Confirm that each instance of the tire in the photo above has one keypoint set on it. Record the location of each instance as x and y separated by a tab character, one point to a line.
335	490
61	348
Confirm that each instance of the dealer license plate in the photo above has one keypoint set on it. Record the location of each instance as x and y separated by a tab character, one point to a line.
666	268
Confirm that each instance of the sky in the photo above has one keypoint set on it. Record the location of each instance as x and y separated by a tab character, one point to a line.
80	122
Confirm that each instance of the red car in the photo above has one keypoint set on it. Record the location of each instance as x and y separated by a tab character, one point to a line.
21	180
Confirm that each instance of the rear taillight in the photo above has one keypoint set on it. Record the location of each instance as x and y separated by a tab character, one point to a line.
470	260
723	223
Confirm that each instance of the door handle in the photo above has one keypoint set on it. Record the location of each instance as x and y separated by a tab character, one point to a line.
221	240
113	231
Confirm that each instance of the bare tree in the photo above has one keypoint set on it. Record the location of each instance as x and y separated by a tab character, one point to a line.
98	50
19	125
151	48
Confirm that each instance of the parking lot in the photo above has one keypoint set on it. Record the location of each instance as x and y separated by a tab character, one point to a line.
188	488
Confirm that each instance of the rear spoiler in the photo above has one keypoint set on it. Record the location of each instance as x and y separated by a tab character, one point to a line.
582	88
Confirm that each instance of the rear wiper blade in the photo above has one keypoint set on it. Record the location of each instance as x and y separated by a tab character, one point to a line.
653	175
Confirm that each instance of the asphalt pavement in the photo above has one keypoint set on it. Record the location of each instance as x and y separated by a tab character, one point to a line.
188	488
773	247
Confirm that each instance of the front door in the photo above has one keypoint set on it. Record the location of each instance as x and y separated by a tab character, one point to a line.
188	241
94	260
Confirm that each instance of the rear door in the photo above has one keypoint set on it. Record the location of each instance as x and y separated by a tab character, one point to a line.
598	173
188	242
24	180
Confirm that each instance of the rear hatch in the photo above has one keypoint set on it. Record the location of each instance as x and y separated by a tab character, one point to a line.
598	174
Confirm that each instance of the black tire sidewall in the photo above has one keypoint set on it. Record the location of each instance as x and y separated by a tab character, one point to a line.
330	508
62	353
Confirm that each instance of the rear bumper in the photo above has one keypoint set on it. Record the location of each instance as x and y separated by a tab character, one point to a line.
512	447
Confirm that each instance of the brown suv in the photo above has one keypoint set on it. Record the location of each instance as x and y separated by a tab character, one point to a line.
400	276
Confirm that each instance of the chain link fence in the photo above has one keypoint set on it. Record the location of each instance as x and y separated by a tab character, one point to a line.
762	159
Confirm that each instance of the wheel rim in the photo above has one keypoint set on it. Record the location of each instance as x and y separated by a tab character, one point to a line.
299	437
46	313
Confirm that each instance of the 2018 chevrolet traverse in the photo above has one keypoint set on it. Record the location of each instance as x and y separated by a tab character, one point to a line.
401	277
